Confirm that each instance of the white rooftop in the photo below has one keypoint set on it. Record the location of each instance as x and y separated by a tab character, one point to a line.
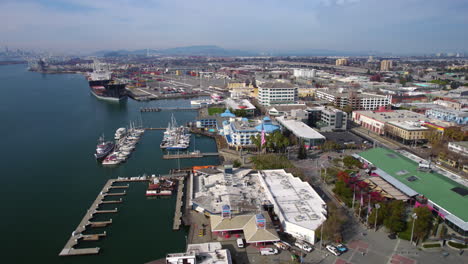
206	253
409	125
299	129
297	200
239	104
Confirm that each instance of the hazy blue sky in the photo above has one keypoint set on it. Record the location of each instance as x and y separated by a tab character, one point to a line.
263	25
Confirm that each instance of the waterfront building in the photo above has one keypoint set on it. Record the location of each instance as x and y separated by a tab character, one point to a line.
240	104
235	201
274	93
309	136
358	101
299	207
205	253
279	110
445	197
238	131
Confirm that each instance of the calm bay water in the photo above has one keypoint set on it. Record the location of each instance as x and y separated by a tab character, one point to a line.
49	127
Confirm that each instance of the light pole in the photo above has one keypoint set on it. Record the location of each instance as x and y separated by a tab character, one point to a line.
321	235
377	206
414	216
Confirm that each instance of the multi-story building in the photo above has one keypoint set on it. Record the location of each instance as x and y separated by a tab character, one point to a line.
327	118
358	101
406	131
305	73
386	65
277	93
450	104
459	117
342	62
238	132
460	147
240	104
375	121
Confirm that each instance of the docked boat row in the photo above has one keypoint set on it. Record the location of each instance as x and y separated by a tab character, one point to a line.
175	137
125	143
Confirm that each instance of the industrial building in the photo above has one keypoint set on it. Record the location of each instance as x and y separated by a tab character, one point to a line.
358	101
442	195
305	73
235	201
309	136
277	93
299	208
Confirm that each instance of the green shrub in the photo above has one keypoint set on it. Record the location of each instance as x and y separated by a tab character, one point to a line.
435	245
457	245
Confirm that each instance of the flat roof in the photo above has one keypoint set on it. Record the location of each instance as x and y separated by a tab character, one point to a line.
434	186
393	115
239	104
297	200
299	129
408	125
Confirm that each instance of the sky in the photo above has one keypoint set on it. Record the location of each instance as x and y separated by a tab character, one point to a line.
396	26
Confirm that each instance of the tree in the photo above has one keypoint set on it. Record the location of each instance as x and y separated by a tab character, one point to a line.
236	164
403	81
333	226
257	141
302	153
277	142
348	109
343	191
395	216
423	223
350	162
380	215
240	112
330	145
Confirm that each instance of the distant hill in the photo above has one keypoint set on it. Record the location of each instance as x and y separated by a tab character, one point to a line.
207	50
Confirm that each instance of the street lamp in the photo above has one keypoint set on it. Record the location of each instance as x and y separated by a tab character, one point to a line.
414	216
377	206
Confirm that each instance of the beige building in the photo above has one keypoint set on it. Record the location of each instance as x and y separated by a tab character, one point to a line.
342	62
406	131
306	92
386	65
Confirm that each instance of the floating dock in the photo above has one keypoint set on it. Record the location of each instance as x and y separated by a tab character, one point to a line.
179	204
190	155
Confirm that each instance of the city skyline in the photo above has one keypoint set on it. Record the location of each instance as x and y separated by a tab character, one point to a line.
399	27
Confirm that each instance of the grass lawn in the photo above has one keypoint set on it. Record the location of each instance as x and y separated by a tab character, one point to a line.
457	245
216	110
406	234
435	245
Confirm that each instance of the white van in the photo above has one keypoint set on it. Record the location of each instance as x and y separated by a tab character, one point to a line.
268	251
240	243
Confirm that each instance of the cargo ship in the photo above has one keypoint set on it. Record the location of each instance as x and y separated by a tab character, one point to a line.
104	87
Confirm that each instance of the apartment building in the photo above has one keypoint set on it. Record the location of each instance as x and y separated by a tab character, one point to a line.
358	101
342	62
386	65
277	93
327	119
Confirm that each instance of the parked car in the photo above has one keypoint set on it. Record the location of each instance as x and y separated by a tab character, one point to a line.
333	250
304	246
240	243
268	251
392	236
342	248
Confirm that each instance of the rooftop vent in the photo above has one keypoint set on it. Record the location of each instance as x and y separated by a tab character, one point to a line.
460	190
402	172
412	178
391	155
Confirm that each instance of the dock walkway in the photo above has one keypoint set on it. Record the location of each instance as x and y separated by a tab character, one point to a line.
179	204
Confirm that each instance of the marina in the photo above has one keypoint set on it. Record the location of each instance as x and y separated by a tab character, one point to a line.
126	141
190	155
159	109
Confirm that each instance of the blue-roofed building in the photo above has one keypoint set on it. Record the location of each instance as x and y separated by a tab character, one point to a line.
228	114
239	131
459	117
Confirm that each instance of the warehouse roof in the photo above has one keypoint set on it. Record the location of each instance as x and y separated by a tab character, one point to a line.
442	191
299	129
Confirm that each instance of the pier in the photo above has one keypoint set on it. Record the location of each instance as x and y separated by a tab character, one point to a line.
159	109
190	155
179	204
68	249
77	235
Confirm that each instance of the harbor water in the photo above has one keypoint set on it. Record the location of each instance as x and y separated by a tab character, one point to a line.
49	129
